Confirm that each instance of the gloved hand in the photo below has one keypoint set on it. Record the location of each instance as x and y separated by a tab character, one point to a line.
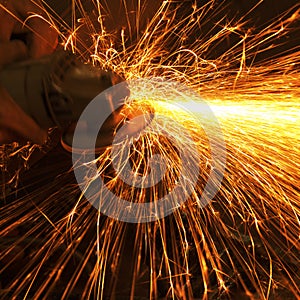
26	18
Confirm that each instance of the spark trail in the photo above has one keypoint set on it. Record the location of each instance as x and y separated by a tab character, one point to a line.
245	241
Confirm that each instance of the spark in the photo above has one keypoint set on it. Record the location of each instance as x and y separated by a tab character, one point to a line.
246	239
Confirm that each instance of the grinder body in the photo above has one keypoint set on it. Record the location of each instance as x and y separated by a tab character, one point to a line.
55	90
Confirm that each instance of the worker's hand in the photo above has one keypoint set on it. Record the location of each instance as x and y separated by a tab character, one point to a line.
19	18
26	19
